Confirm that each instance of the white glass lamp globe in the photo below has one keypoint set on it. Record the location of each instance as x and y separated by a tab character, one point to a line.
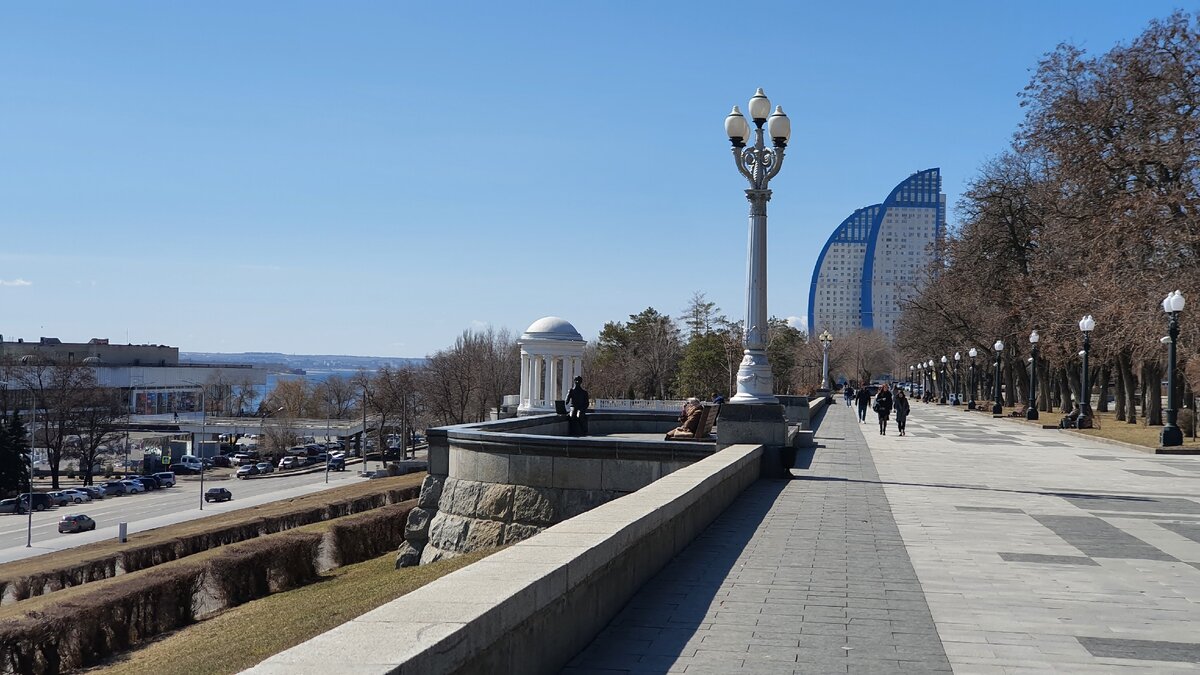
999	346
760	106
779	126
736	126
1034	337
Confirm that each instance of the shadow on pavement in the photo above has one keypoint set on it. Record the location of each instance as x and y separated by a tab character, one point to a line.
950	486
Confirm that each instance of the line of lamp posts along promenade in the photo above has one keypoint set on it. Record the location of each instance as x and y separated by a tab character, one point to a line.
926	374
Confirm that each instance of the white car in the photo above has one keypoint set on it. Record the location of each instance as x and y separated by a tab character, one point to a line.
77	496
133	486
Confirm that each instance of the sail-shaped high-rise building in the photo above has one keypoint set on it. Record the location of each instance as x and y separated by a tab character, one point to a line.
877	258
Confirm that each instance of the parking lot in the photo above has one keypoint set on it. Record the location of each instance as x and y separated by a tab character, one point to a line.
157	508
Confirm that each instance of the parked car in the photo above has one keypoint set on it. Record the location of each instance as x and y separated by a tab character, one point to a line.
218	494
116	487
223	461
150	482
94	491
289	462
242	459
133	486
41	500
76	495
166	478
11	506
183	470
265	467
58	498
76	523
337	463
247	470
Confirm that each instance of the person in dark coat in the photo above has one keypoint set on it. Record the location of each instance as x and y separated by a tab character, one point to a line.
902	409
579	401
883	407
848	392
863	397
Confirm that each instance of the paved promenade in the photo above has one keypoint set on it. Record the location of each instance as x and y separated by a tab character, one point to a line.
972	544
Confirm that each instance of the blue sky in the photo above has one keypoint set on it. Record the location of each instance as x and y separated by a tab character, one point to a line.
373	178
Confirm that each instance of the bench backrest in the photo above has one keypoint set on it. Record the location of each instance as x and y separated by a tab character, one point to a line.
711	410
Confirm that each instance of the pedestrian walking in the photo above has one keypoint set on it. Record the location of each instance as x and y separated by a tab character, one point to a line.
902	409
883	408
848	392
863	397
577	397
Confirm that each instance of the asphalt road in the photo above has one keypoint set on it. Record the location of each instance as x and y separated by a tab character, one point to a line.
153	509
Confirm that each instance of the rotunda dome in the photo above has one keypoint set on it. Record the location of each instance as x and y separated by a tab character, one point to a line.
92	361
551	328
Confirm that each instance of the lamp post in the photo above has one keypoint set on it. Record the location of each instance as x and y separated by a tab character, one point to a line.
1086	324
910	379
758	164
972	352
933	381
1171	433
944	392
1031	412
957	382
826	339
362	439
997	406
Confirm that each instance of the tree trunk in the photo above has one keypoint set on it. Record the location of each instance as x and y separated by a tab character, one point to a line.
1022	382
1044	388
1120	395
1152	390
1126	368
1064	391
1104	373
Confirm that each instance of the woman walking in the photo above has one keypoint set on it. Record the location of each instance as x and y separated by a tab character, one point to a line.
883	407
902	409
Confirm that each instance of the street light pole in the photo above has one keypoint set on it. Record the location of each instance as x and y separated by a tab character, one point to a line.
1031	412
1172	435
826	339
972	352
758	164
945	398
200	450
1086	324
997	405
957	382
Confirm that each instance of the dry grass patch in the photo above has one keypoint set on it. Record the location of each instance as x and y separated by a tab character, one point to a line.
1137	434
245	635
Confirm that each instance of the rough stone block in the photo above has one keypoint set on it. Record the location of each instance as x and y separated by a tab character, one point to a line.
408	556
447	532
577	473
432	554
534	506
431	491
495	503
531	470
485	467
483	534
462	498
417	528
514	532
627	475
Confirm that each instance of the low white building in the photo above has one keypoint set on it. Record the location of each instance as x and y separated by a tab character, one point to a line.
551	358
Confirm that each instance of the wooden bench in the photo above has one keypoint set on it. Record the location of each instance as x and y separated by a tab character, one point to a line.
704	429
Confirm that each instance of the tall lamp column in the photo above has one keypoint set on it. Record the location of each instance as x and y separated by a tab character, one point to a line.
997	405
957	382
758	164
1031	413
945	394
826	340
1172	435
1086	324
972	352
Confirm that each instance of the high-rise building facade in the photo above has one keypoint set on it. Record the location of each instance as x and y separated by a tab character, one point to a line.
877	258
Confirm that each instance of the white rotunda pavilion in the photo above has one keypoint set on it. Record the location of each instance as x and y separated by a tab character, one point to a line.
551	358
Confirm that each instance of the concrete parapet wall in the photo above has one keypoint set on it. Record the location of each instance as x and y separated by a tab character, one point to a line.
532	606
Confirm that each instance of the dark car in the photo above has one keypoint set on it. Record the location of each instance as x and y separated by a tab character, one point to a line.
182	470
76	523
337	464
150	482
97	492
11	506
247	470
218	495
59	499
115	487
223	461
265	467
41	500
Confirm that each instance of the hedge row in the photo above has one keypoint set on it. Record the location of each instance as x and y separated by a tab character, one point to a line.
85	630
150	555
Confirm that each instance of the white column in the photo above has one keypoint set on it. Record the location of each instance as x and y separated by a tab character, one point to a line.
553	379
536	383
524	378
546	382
567	369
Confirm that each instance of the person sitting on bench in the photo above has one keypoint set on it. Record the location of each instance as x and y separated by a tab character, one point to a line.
689	420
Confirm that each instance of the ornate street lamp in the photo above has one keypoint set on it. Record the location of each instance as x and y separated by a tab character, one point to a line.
758	164
1031	413
1171	433
1086	324
910	379
997	406
826	339
957	390
972	353
933	383
944	392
